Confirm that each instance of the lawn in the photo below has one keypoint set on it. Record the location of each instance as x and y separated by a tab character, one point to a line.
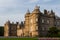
18	38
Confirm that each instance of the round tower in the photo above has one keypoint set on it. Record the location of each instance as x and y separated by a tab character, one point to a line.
26	31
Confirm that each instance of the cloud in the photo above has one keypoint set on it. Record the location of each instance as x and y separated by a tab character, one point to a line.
10	9
15	9
7	3
39	1
47	0
33	1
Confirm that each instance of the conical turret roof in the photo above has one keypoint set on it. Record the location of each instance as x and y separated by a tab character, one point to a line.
27	13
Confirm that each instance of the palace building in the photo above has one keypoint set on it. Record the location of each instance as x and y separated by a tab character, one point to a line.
35	24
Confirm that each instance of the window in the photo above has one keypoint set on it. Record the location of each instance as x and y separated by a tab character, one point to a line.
31	29
42	20
47	21
43	28
36	28
57	23
36	19
31	21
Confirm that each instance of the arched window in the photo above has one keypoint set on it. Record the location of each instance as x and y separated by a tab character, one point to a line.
36	27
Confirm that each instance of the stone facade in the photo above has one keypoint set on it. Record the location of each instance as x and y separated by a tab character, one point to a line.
11	29
35	24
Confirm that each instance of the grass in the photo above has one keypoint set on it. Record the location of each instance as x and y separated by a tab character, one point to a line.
18	38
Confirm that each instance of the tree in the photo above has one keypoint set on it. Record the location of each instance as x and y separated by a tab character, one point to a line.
53	32
1	30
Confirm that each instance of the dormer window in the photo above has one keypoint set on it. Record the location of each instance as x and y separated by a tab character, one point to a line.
58	23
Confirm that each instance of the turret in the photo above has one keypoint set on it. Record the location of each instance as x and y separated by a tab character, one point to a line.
8	22
6	28
36	9
27	13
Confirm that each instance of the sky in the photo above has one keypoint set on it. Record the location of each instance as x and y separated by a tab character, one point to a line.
15	10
